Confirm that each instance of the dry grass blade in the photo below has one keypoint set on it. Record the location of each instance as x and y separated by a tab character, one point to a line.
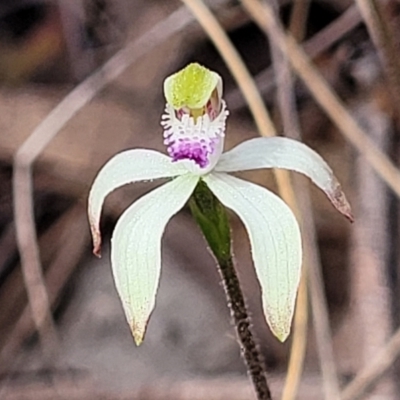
285	97
41	137
380	32
298	18
30	259
286	101
327	99
374	370
320	42
319	306
70	249
299	342
371	294
351	130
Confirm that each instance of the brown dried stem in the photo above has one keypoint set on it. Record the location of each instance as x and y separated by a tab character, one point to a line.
285	97
326	98
30	258
298	19
319	306
320	42
70	250
373	13
370	291
286	101
374	370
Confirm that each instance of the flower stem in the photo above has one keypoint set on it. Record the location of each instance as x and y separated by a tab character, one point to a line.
212	218
241	318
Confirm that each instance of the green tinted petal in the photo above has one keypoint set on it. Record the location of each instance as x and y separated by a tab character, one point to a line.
275	242
126	167
191	87
280	152
136	249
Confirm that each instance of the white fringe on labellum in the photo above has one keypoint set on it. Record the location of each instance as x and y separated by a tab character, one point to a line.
197	140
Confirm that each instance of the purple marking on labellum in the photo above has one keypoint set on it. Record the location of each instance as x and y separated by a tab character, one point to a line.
195	150
189	138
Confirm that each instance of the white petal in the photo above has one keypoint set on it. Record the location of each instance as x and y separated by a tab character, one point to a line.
279	152
136	249
275	241
126	167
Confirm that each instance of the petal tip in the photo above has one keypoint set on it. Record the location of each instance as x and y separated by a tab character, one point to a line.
340	202
281	332
138	331
96	237
280	324
282	336
97	249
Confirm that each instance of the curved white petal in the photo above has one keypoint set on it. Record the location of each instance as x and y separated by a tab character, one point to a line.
136	249
126	167
279	152
275	241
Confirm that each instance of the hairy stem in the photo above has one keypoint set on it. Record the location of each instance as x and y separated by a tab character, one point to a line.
211	216
250	352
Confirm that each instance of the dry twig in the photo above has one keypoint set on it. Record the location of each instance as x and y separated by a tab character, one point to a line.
314	270
298	18
319	43
70	247
382	37
351	130
373	371
319	305
327	99
285	96
286	101
369	286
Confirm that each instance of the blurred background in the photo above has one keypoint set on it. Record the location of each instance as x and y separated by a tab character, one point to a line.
47	48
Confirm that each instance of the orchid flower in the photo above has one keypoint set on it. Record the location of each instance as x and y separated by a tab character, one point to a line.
194	132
